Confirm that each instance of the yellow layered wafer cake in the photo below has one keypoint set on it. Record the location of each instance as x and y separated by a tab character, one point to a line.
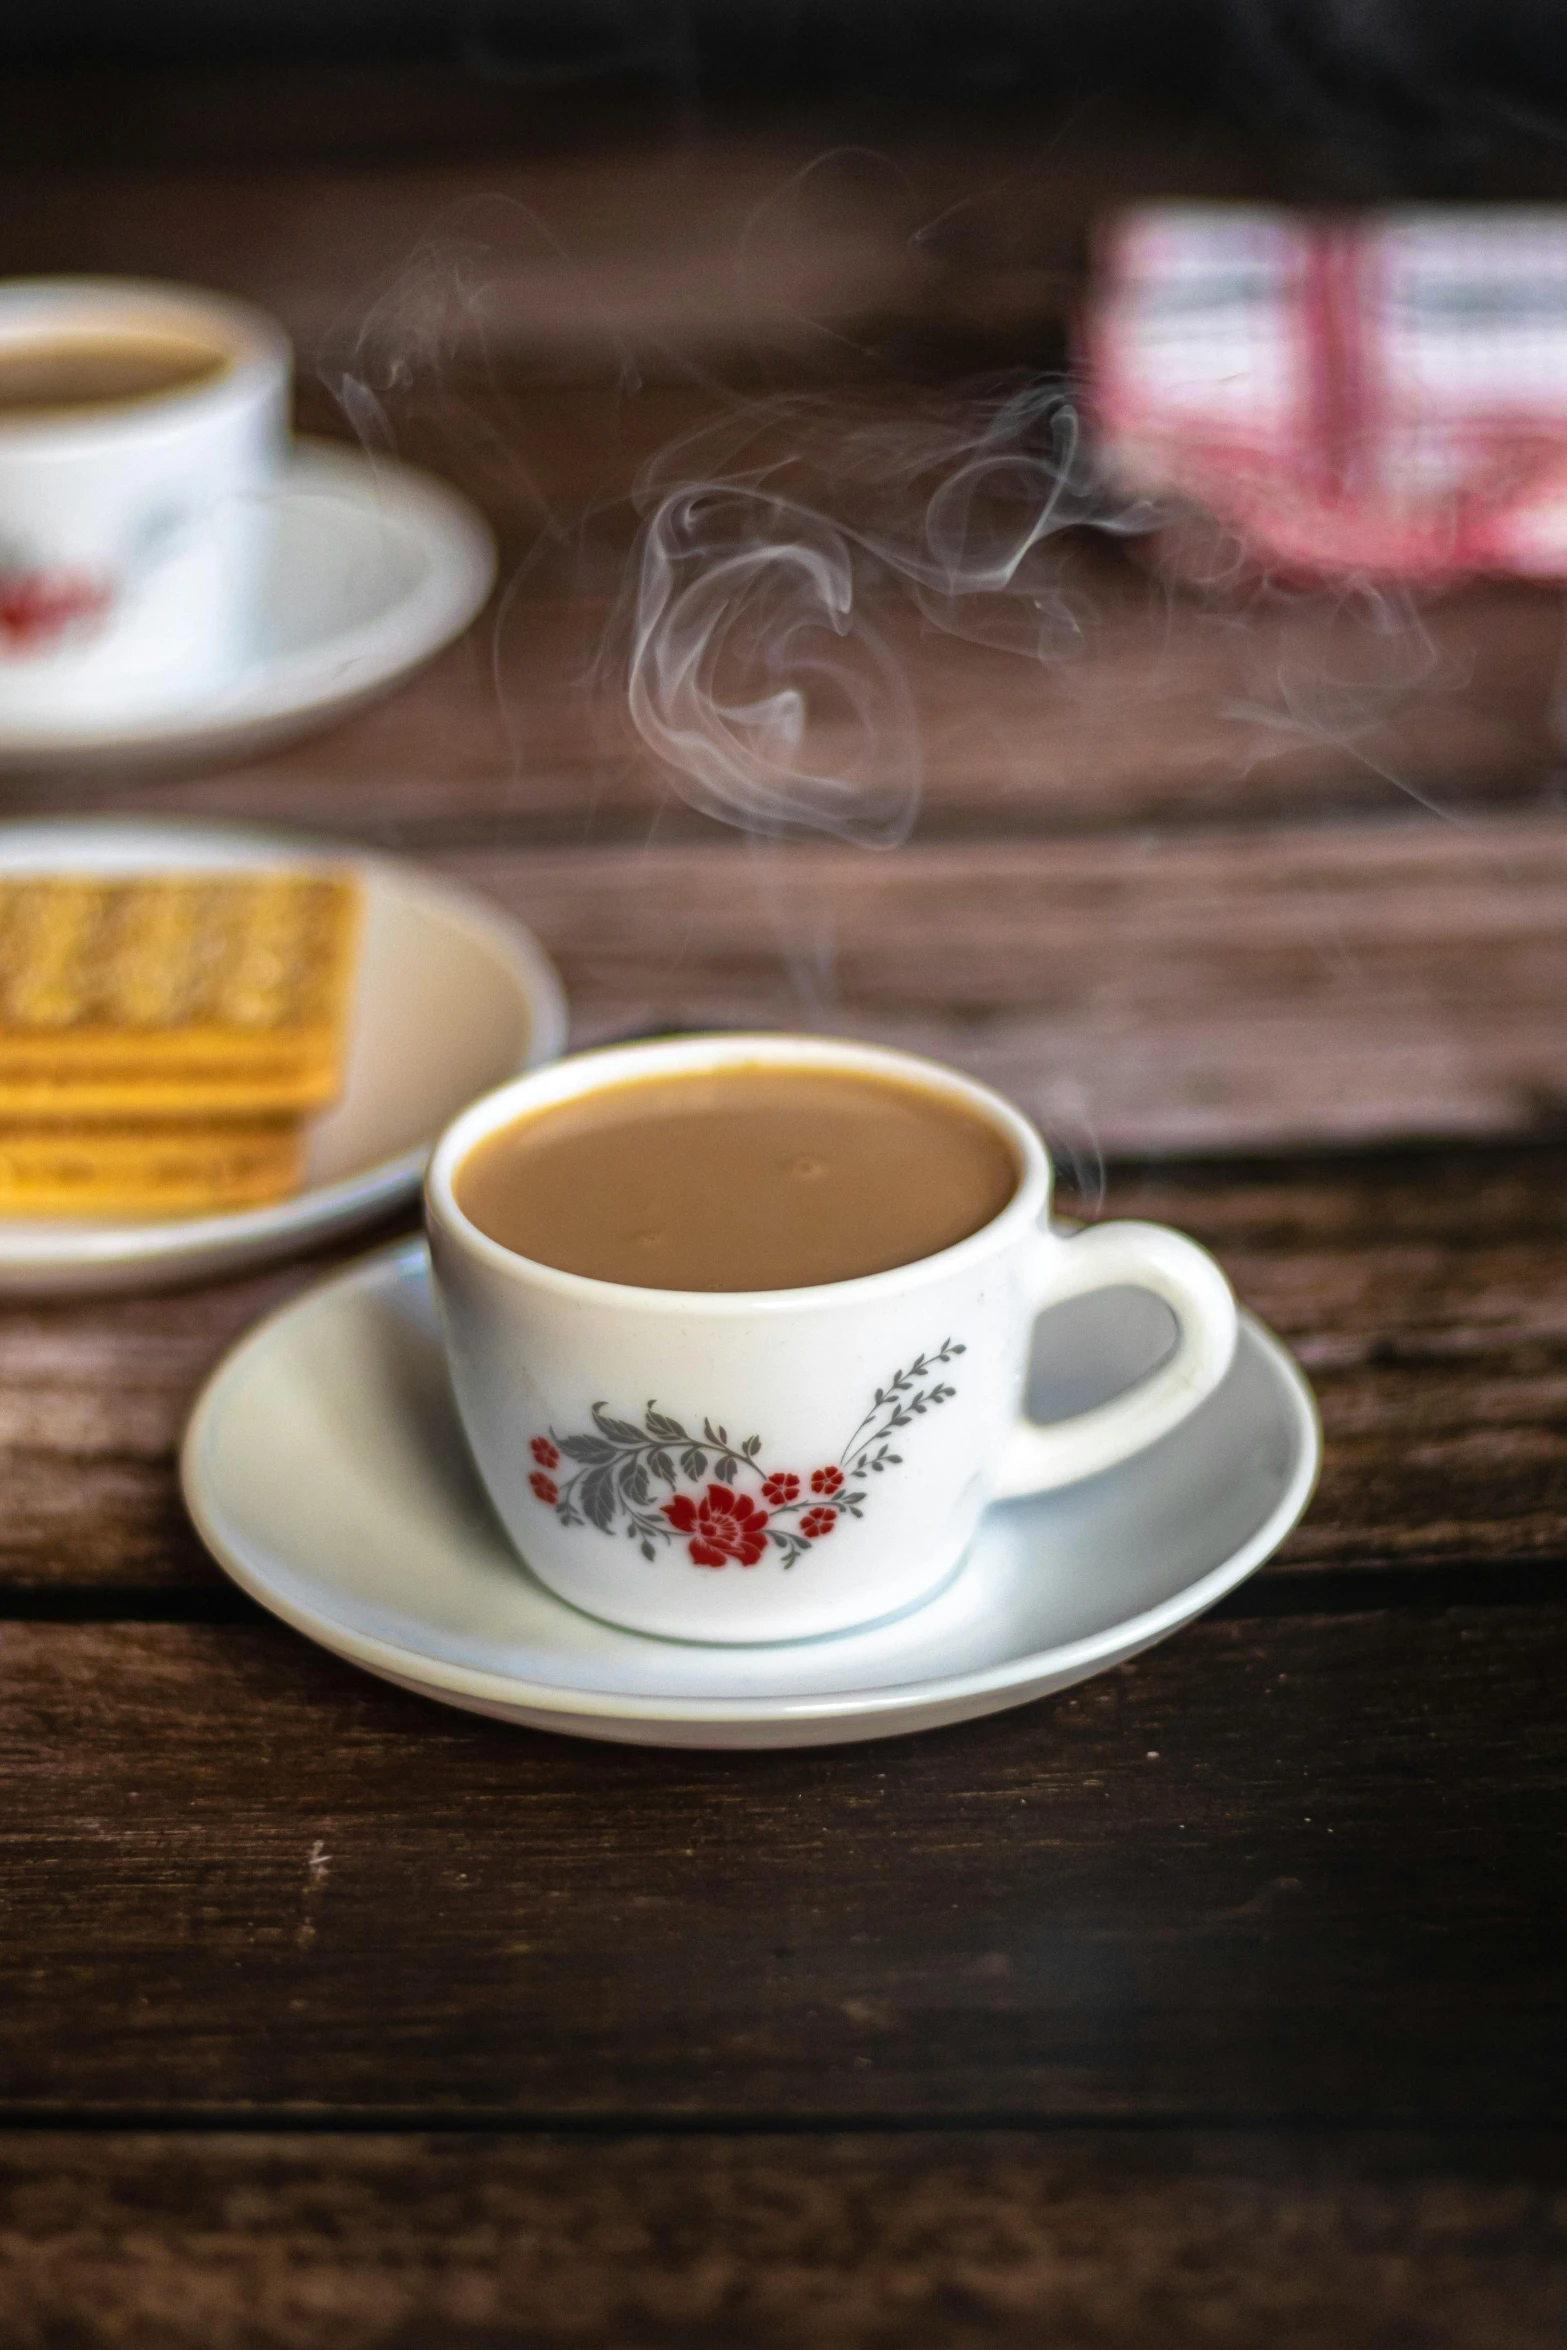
179	995
167	1167
163	1036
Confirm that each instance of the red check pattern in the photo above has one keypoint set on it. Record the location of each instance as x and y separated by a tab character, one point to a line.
1382	395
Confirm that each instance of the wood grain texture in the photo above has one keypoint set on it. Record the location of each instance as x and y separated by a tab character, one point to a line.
646	233
1423	1292
1284	1871
93	1401
660	256
1180	2241
1183	892
1221	991
1156	714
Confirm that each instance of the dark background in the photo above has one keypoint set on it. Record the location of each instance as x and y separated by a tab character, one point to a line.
1413	84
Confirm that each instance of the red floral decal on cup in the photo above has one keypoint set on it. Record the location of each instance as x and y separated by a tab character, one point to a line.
38	608
656	1483
723	1525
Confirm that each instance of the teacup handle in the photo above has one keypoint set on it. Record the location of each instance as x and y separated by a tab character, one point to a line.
1124	1256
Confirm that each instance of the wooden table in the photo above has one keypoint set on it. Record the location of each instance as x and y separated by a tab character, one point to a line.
1216	2002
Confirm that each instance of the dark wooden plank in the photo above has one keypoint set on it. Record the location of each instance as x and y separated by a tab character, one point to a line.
653	233
1155	715
1201	992
1422	1292
661	254
93	1401
1297	1870
1089	2241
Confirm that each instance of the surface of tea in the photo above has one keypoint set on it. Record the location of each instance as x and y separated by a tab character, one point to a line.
760	1177
42	374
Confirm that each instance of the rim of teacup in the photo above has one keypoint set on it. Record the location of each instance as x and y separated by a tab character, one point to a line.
258	353
577	1073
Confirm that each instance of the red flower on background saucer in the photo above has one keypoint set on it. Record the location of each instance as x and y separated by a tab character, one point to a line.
826	1480
544	1487
816	1523
781	1487
38	606
723	1525
545	1453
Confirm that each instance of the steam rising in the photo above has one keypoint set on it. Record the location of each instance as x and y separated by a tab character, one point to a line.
765	544
757	643
789	558
735	583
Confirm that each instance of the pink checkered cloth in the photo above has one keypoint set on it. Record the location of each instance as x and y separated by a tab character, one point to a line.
1381	395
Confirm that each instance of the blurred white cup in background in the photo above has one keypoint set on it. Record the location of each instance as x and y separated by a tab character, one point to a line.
142	428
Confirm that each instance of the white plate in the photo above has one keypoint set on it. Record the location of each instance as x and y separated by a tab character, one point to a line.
451	997
372	568
325	1469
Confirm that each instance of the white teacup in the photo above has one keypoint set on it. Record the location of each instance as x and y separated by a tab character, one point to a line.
132	527
775	1464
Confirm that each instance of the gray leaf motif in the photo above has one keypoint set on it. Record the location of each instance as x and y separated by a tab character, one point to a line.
588	1449
598	1497
621	1430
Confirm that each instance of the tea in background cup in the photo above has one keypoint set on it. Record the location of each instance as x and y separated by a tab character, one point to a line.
141	429
739	1326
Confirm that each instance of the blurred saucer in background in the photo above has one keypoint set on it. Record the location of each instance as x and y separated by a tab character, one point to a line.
373	568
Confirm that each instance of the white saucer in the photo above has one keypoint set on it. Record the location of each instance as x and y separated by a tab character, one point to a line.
325	1469
451	998
372	568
